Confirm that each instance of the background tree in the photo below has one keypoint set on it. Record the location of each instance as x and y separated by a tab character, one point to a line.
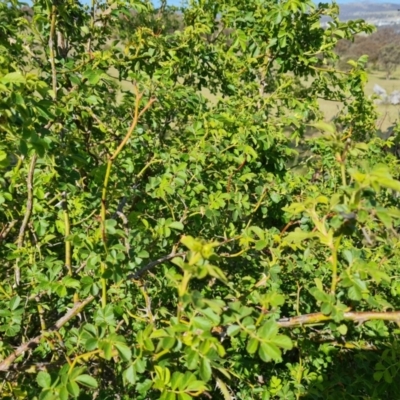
390	58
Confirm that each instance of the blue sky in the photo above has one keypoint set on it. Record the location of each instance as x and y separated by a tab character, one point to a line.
178	2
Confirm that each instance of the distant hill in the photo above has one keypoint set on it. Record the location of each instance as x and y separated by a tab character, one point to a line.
379	14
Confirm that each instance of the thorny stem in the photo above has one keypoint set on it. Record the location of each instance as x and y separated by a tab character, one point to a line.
27	216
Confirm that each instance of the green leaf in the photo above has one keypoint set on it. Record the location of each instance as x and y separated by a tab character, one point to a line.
15	302
342	329
110	225
252	345
261	244
177	381
168	343
269	351
385	218
93	76
63	393
143	254
87	380
202	323
196	386
192	359
124	351
233	330
283	341
130	375
176	225
13	77
205	369
73	388
43	379
268	330
191	243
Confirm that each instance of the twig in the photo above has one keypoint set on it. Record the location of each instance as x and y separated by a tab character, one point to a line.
6	230
67	232
28	213
154	263
52	51
360	317
103	212
75	310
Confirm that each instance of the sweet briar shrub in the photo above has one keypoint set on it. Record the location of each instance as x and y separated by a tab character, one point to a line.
156	239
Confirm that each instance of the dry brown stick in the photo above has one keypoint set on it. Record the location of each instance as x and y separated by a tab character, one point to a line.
6	230
27	216
75	310
360	317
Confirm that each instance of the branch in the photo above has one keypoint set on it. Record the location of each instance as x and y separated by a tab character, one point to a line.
28	213
6	230
51	48
360	317
75	310
152	264
111	159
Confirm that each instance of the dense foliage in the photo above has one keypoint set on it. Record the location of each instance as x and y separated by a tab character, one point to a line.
167	229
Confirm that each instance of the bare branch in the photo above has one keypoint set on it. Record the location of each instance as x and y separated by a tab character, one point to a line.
154	263
75	310
360	317
6	230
